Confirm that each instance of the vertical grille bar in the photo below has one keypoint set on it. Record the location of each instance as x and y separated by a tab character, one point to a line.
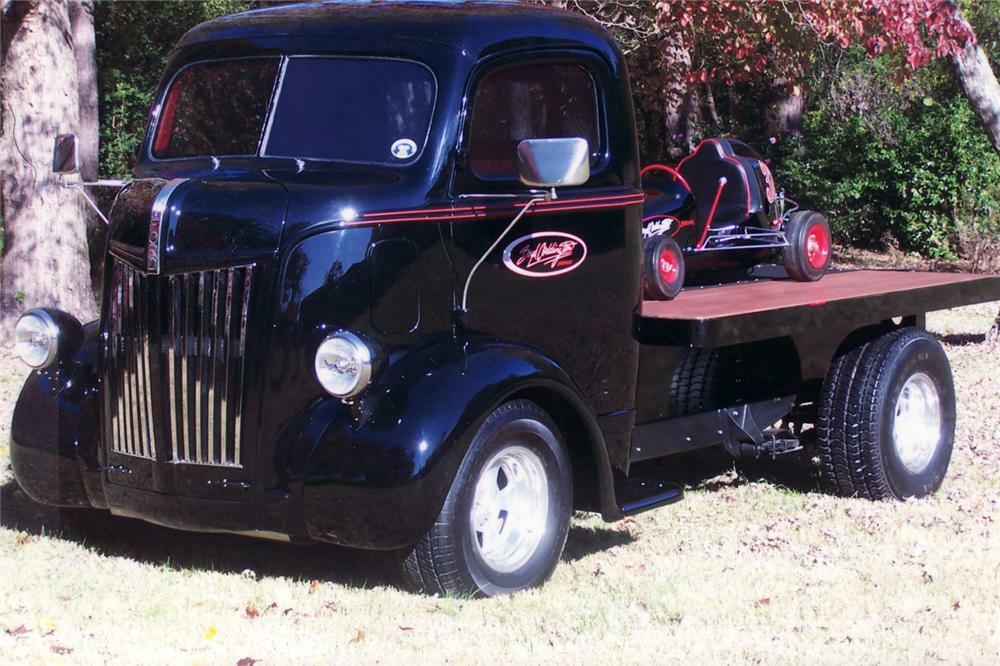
241	351
190	396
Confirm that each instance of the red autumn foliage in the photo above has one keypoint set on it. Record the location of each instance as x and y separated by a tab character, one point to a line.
747	39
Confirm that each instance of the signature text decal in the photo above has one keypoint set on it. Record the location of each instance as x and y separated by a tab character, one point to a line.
545	254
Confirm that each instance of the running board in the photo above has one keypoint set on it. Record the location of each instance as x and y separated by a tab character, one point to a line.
637	495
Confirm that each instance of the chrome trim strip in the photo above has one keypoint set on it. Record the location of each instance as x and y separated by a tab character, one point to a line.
175	432
238	425
212	352
226	373
154	245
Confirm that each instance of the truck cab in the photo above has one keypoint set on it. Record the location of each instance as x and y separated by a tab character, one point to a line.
376	282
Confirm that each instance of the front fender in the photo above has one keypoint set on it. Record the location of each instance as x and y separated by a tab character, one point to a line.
54	430
378	471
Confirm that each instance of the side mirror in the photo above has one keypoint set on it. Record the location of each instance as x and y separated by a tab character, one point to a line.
65	156
553	162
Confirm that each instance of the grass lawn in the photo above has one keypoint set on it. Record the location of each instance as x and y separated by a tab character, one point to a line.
749	568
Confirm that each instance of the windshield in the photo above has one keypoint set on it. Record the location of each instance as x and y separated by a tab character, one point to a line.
367	110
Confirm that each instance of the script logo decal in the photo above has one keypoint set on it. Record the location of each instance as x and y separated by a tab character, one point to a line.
545	254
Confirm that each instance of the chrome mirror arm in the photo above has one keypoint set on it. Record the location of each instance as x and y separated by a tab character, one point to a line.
82	189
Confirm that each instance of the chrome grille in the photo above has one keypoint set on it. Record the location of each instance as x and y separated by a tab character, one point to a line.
176	351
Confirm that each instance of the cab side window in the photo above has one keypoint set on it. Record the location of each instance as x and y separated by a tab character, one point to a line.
534	101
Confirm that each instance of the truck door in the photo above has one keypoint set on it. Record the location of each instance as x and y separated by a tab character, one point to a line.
565	280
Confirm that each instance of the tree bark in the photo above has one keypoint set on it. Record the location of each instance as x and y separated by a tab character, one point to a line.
783	109
81	14
45	260
994	334
980	86
675	61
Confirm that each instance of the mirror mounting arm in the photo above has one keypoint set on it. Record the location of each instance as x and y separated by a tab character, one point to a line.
82	188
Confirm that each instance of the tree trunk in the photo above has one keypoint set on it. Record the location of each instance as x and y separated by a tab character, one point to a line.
45	248
675	61
81	14
980	86
783	110
994	334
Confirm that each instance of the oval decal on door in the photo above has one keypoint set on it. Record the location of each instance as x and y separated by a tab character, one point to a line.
545	254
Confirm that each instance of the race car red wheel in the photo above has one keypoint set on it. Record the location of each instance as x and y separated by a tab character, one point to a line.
662	268
809	248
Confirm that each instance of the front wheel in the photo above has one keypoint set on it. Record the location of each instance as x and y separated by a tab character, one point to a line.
810	245
504	522
662	268
887	418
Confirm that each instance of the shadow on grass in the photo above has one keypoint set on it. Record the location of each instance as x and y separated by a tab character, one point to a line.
713	470
113	536
962	339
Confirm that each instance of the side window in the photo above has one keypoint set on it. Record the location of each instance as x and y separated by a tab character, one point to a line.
535	101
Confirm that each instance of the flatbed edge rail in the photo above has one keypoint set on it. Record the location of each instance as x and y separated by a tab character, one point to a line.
747	312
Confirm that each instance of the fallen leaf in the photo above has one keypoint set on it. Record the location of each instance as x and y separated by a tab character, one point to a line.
956	605
22	539
402	628
246	661
286	611
313	586
61	649
274	604
210	633
358	637
766	601
251	611
18	631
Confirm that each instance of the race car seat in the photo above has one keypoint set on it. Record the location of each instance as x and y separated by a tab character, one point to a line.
745	191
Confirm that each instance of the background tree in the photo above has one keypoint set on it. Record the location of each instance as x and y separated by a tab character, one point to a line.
45	260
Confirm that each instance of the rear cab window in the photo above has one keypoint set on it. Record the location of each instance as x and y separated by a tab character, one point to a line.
531	101
342	109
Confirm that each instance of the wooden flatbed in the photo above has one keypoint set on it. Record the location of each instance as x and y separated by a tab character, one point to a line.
750	311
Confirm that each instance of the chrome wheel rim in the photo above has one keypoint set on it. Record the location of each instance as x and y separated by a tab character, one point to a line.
510	508
916	426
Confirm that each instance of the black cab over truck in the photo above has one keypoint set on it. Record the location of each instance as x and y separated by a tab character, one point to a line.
377	282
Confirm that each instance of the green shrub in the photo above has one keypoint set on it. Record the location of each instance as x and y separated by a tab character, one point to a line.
905	163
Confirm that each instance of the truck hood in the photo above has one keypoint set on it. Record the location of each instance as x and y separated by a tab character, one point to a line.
185	225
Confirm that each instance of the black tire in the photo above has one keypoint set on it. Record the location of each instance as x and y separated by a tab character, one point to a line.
662	268
697	385
810	246
858	418
450	558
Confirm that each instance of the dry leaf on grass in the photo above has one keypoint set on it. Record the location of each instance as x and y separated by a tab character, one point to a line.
251	611
18	631
61	649
246	661
358	637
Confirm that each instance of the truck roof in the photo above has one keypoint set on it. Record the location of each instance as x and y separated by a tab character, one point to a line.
474	27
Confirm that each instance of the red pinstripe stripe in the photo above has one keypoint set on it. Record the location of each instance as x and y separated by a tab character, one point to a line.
472	212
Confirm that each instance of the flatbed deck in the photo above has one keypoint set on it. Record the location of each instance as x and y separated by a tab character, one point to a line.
765	309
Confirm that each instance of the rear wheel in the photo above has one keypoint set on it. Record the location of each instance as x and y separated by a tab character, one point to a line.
504	523
887	418
662	268
810	246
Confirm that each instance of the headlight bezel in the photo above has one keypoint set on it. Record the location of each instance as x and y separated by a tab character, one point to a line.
361	352
50	328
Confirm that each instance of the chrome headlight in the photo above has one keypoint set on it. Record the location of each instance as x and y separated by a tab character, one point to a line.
36	339
344	364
